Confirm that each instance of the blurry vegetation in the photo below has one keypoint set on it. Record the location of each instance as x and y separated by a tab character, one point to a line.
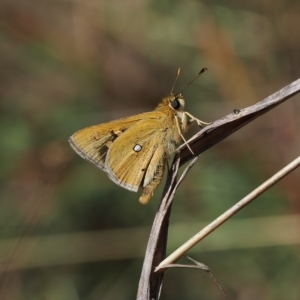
68	232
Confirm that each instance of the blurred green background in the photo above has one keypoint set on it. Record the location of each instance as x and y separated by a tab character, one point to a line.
67	231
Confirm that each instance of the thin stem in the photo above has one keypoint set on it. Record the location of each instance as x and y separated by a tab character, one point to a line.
228	214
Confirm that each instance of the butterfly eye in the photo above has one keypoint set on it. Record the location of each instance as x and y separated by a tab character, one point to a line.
175	103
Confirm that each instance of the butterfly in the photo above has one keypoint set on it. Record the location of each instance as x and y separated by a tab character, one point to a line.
133	151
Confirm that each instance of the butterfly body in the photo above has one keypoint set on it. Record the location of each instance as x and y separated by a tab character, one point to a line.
133	151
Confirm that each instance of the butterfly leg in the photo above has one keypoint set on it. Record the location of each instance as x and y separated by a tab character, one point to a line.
183	120
150	188
194	119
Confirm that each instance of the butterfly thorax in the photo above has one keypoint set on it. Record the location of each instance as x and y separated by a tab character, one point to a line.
174	122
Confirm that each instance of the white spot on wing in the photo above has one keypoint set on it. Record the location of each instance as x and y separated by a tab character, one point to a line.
137	148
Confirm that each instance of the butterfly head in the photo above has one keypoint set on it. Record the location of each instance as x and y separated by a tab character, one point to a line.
176	102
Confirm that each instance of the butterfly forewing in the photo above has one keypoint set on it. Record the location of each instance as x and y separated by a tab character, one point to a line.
92	143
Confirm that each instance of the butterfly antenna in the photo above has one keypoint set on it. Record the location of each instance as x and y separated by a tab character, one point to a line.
177	75
201	72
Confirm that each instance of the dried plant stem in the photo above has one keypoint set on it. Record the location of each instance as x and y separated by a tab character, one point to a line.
183	175
228	214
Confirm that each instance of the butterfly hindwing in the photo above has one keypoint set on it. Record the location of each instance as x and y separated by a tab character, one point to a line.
129	161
